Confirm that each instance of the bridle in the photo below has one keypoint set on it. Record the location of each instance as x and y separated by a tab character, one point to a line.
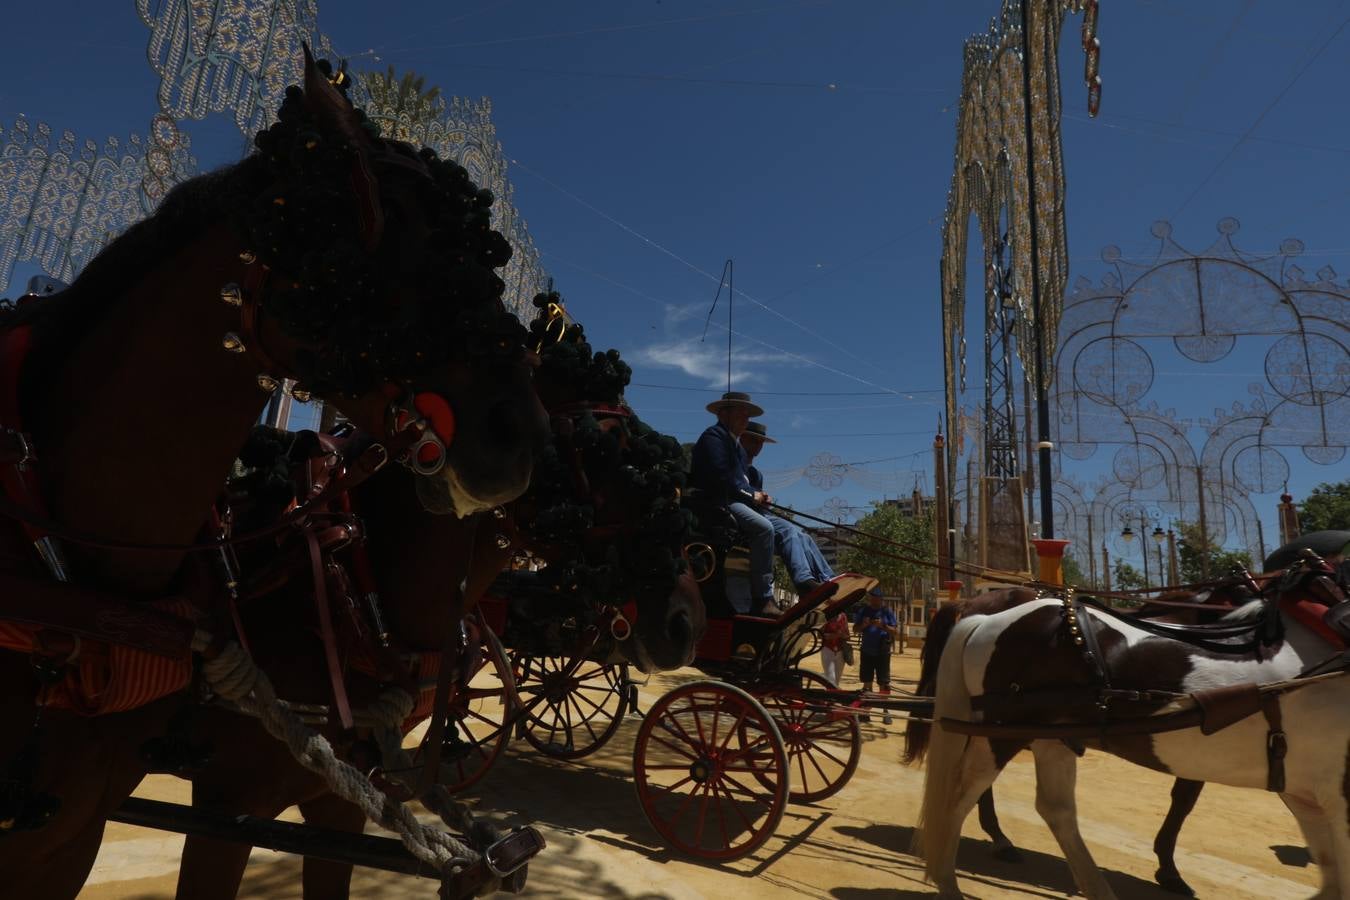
426	410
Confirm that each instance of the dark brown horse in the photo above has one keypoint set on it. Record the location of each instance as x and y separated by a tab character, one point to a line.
352	264
1184	792
602	465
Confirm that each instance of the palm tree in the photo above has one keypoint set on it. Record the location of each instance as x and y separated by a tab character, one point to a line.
403	102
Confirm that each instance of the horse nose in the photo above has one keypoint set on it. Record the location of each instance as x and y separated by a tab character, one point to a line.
680	630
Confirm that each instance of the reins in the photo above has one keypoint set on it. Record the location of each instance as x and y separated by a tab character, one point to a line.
978	571
353	473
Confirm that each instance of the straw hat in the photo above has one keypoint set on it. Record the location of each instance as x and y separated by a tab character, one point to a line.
1323	543
757	430
734	398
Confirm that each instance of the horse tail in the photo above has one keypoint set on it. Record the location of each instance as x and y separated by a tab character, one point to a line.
937	834
939	630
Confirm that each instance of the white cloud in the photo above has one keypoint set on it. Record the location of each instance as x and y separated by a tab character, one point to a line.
800	421
707	359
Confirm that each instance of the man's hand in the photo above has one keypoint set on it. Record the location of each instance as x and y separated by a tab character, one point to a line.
761	497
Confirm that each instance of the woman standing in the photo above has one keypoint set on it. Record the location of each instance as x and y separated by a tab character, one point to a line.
834	635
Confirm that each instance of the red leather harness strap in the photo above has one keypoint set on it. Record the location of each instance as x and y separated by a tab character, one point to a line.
326	632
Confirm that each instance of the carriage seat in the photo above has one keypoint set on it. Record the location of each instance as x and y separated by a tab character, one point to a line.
742	636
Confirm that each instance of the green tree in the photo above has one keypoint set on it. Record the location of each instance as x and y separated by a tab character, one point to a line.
1200	557
1326	507
1073	572
1125	577
915	535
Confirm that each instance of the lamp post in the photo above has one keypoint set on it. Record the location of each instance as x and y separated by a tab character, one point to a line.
1127	534
1173	569
1043	444
1158	537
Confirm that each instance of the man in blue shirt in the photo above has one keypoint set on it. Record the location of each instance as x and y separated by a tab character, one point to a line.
878	627
804	561
719	468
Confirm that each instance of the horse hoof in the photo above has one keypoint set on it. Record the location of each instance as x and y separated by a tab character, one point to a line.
1173	884
1008	853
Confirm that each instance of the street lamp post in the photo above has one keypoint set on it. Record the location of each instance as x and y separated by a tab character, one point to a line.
1158	537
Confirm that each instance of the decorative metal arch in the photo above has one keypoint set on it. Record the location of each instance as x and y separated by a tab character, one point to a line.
239	57
989	181
63	199
1204	303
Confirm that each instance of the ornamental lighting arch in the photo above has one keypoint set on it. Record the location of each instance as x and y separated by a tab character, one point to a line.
1204	307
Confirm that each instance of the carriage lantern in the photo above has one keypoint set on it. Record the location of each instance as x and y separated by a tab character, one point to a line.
1127	533
1158	534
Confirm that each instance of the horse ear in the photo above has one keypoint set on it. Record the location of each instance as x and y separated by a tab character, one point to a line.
334	114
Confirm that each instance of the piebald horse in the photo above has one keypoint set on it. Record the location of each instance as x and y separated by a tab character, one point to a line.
1192	608
1028	665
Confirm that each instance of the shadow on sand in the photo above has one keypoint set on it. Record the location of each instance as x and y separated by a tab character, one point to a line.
1043	874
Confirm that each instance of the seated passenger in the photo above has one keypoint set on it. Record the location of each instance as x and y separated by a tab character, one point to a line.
803	559
719	469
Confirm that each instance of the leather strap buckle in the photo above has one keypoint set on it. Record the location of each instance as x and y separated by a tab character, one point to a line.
1276	745
513	851
15	448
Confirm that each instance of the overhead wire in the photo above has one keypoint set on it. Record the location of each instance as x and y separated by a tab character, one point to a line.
825	86
1307	64
677	387
706	274
684	314
611	29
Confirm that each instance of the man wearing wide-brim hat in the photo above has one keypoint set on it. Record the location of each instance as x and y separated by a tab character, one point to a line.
719	468
1332	546
803	559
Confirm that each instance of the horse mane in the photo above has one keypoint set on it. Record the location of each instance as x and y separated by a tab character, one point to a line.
63	320
1247	611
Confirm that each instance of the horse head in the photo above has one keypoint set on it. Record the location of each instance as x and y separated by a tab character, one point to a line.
369	278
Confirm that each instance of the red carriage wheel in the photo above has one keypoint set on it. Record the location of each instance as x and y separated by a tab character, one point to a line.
476	733
569	715
824	743
711	771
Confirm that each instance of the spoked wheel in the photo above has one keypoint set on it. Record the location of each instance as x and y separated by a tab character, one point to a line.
476	733
568	716
711	771
823	743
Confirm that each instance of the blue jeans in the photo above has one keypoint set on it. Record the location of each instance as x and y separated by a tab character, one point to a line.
800	554
758	534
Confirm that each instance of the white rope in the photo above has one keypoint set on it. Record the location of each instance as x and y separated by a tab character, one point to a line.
233	675
389	713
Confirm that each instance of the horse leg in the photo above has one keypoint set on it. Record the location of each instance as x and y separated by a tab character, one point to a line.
1056	778
325	879
212	869
976	769
1317	830
1003	848
1184	794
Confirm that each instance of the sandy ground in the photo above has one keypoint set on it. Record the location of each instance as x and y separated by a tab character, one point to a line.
850	847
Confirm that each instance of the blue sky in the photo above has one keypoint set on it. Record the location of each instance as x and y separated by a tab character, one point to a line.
811	141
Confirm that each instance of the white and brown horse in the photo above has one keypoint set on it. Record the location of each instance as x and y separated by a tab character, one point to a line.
1035	667
1179	607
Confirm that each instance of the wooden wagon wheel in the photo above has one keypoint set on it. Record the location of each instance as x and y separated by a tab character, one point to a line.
476	733
568	716
711	771
823	743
